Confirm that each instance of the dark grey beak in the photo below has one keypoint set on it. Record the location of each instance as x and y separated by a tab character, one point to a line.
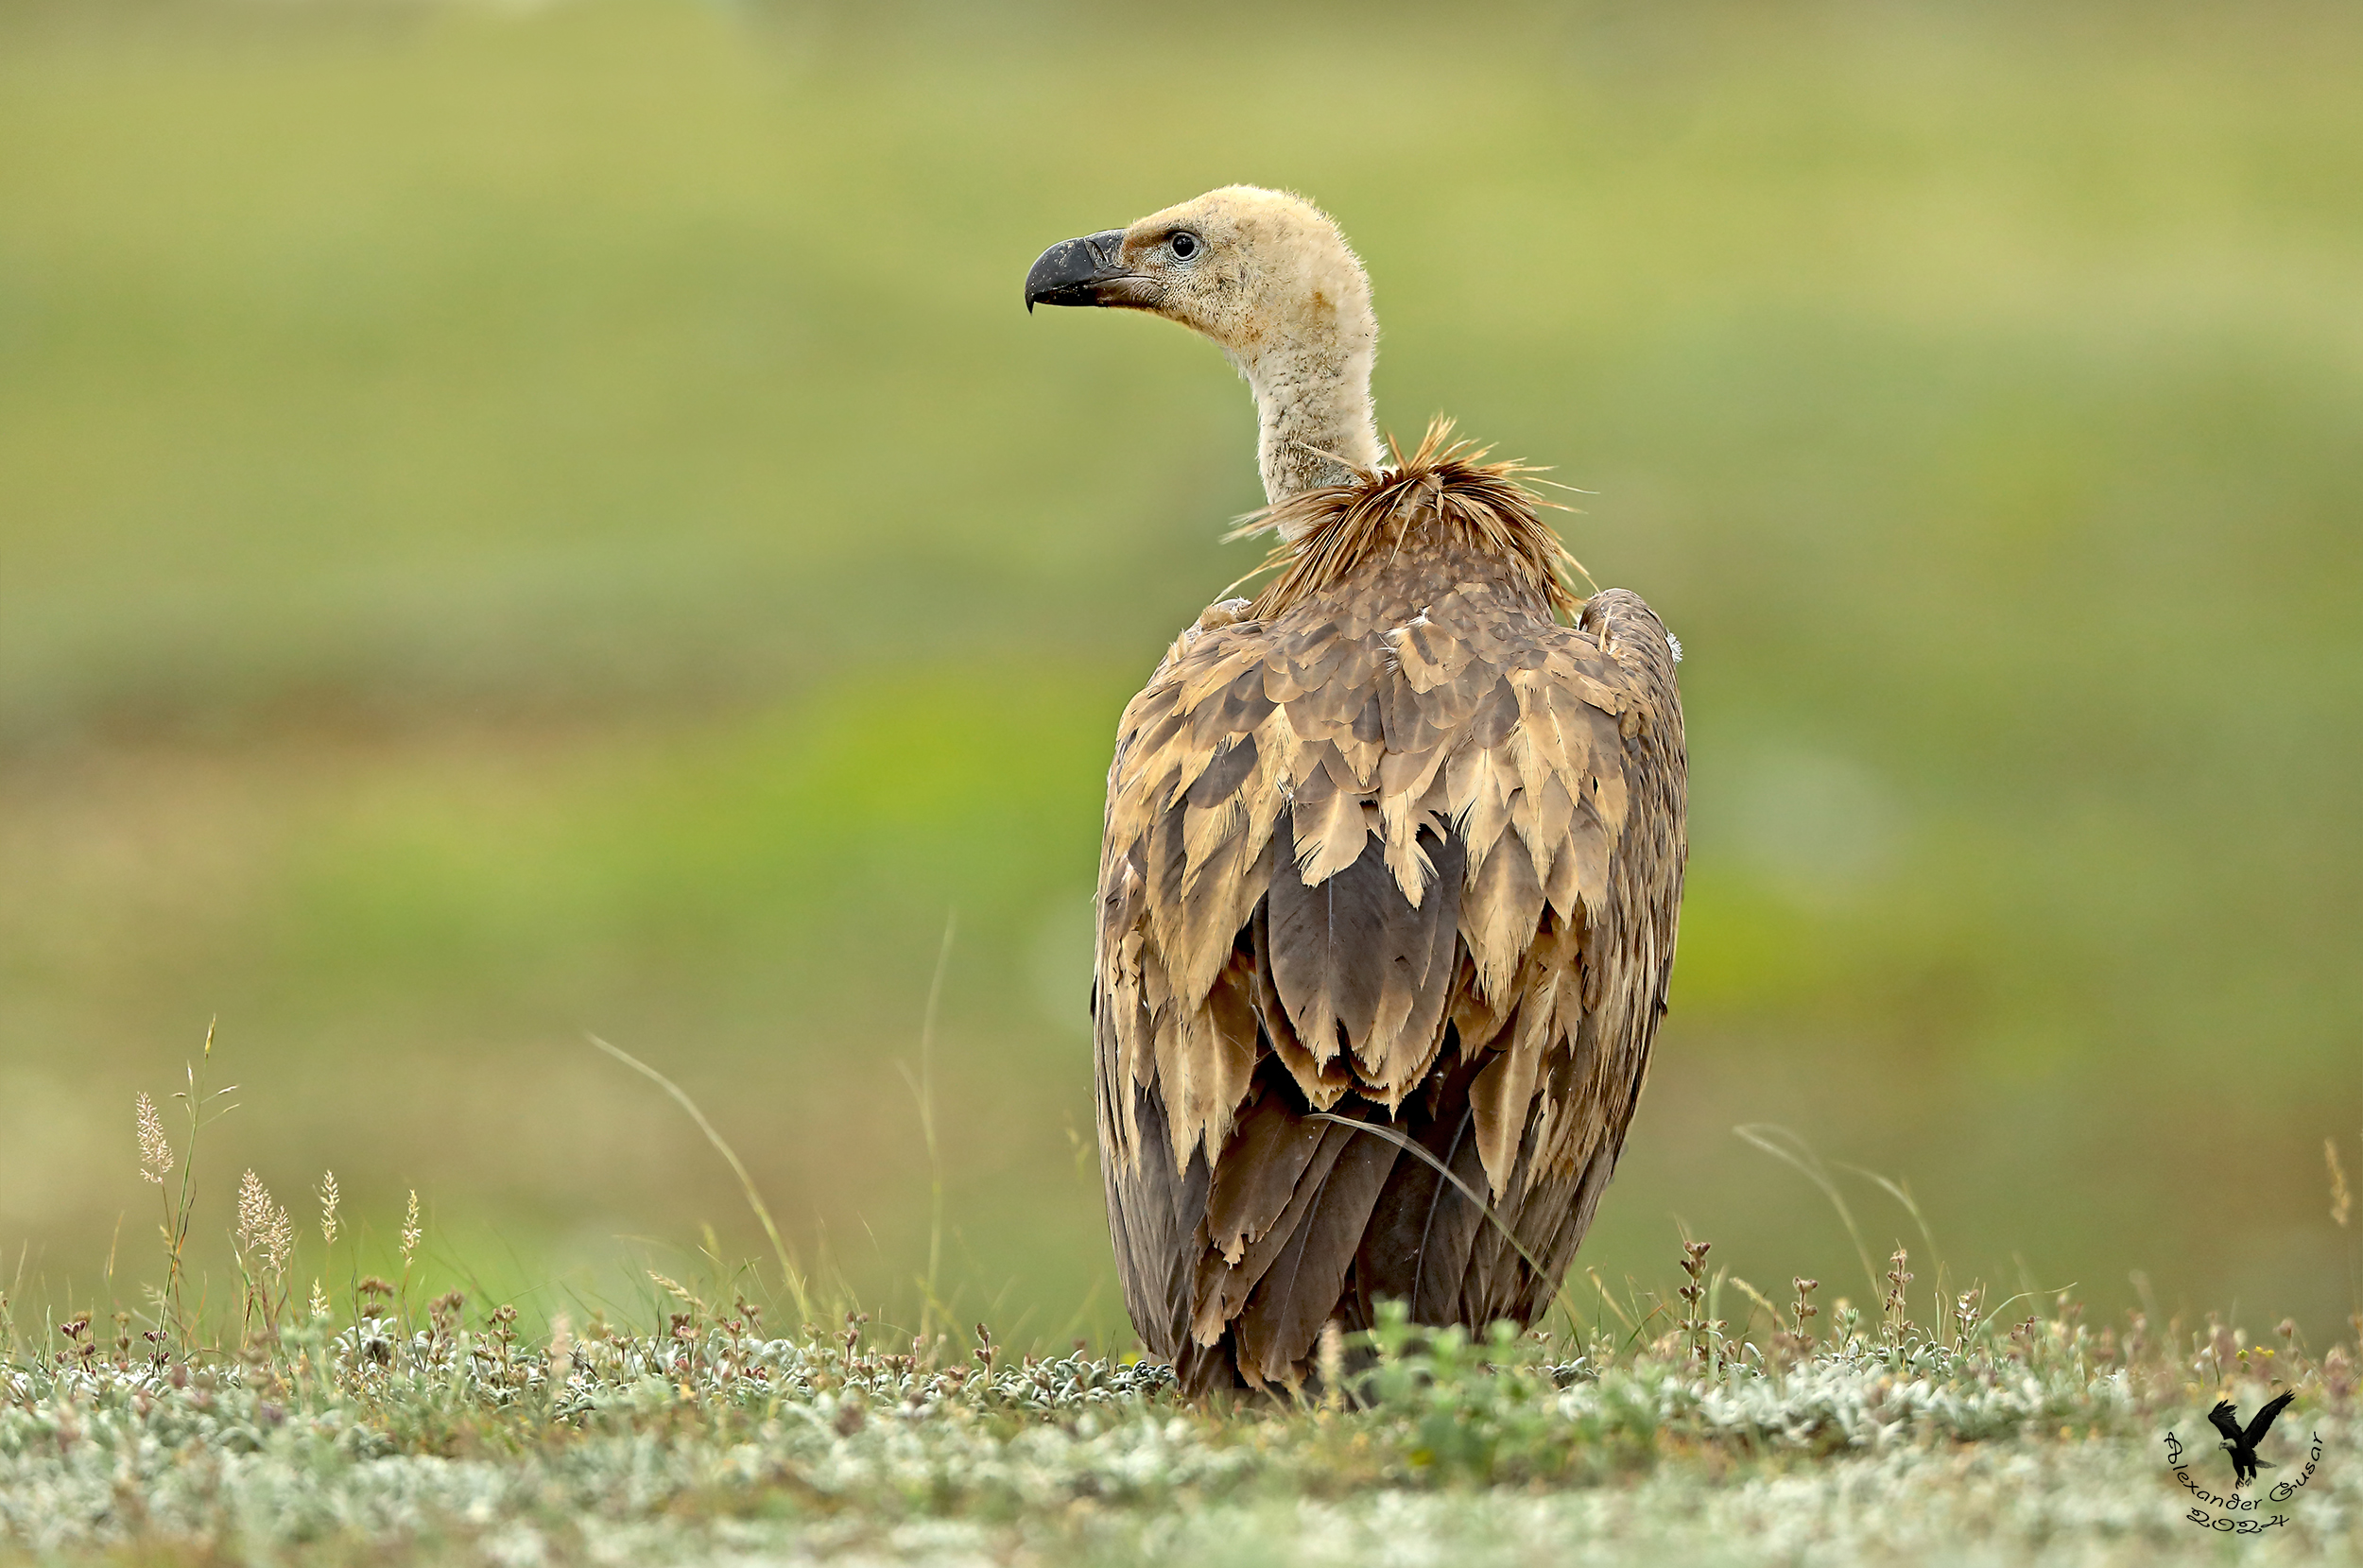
1081	271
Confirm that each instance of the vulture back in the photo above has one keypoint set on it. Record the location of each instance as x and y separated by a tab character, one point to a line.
1388	902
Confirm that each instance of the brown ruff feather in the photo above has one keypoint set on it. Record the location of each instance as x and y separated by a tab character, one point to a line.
1330	533
1401	839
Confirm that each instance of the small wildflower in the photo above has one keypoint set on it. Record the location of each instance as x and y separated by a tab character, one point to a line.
1967	1309
155	1153
1803	1308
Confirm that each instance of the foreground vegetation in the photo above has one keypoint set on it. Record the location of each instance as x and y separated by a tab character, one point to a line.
379	1421
447	1439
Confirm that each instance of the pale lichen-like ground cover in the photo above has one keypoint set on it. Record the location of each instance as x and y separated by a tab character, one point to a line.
714	1443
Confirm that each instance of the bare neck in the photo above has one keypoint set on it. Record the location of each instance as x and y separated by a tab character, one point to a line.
1313	399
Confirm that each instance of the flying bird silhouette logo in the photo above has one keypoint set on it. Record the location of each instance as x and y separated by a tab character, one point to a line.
2241	1444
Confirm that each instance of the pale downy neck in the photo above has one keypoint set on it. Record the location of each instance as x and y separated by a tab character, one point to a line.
1313	400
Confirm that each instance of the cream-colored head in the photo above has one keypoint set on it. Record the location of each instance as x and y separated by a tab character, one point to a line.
1270	279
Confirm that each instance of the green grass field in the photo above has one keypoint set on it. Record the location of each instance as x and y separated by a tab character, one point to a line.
519	522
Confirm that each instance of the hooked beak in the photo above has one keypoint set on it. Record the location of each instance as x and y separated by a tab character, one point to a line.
1086	271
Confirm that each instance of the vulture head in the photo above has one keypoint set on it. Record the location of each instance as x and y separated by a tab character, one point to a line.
1270	279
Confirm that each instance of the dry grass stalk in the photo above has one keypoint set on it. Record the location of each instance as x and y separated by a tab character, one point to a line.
262	1224
1799	1335
1894	1317
194	1100
1758	1302
925	1090
562	1352
678	1291
1331	1360
2341	1201
155	1152
1694	1324
266	1242
172	1177
790	1272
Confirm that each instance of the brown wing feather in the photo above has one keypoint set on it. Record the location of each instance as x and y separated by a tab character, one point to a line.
1153	1209
1301	1290
1400	843
1258	1175
1223	1289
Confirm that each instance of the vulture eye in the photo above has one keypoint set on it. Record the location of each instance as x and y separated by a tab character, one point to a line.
1185	245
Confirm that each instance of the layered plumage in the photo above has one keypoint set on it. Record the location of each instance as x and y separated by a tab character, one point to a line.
1392	864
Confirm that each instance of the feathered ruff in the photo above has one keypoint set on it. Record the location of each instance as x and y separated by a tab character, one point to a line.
1332	532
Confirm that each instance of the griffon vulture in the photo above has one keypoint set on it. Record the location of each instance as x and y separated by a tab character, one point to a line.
1393	862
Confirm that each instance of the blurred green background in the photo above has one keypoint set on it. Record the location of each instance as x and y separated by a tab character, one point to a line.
519	521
